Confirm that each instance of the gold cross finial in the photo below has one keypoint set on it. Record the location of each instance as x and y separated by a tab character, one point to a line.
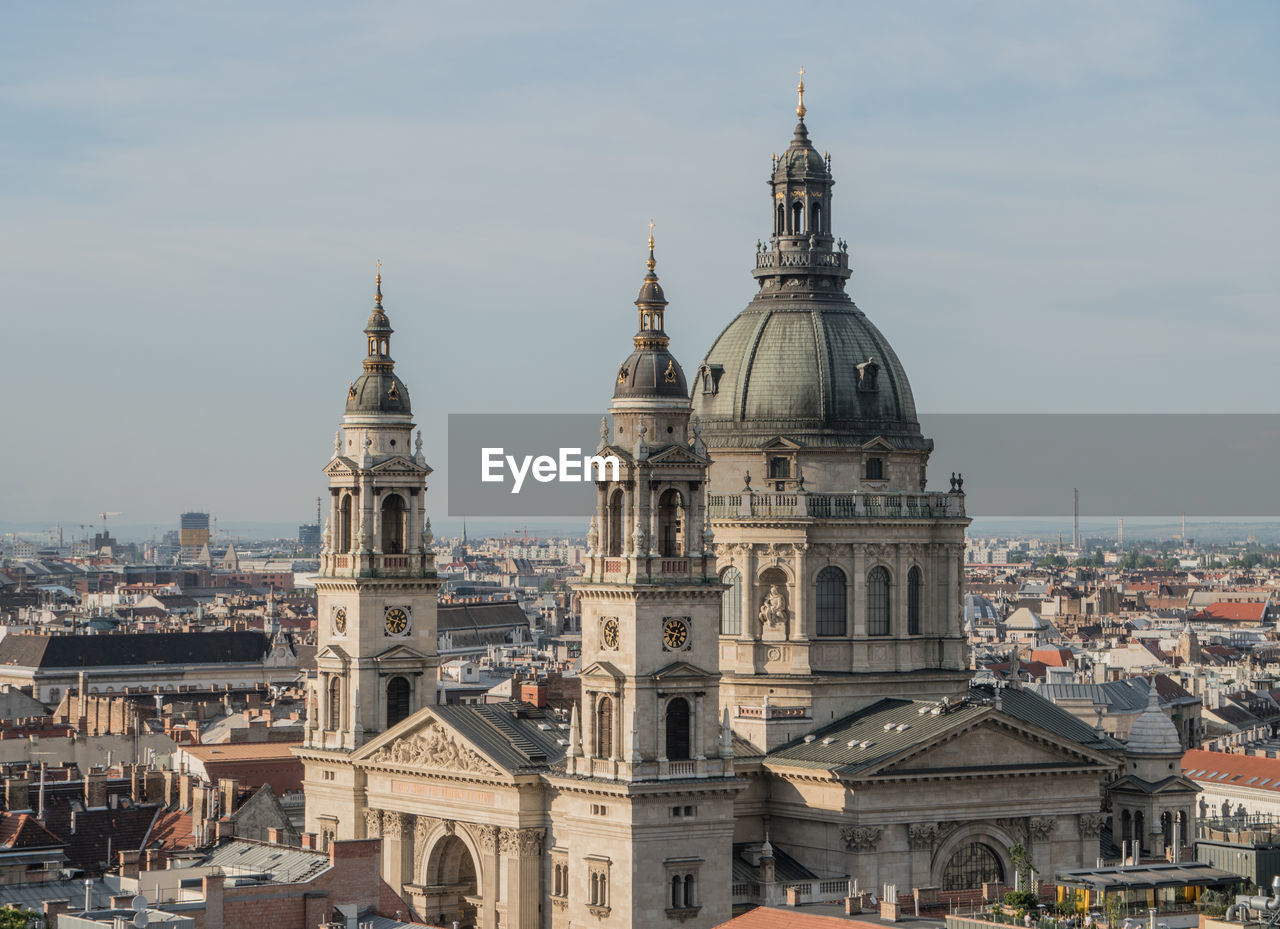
378	282
800	110
651	262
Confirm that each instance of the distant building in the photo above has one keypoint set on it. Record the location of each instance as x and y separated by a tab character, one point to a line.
193	530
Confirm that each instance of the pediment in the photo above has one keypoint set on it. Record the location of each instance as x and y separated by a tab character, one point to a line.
878	444
779	443
425	742
990	741
680	669
676	455
340	465
334	651
399	653
399	464
599	668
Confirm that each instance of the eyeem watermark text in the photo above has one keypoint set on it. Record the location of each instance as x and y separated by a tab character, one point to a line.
570	466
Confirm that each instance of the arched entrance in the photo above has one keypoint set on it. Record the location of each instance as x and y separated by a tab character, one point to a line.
972	865
451	887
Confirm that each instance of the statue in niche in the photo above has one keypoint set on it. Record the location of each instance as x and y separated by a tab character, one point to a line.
774	612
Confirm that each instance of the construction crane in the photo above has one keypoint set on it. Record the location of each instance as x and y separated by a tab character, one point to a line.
103	517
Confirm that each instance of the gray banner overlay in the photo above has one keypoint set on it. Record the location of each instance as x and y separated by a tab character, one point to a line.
1220	465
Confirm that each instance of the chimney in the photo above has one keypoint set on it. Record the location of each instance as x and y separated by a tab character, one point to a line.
225	828
95	790
153	786
212	887
17	794
228	791
185	784
309	840
274	836
200	797
55	908
170	787
129	863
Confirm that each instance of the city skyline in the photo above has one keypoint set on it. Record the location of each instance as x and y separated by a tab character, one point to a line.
1057	199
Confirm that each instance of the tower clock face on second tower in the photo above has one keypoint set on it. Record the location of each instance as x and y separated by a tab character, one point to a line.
675	632
397	619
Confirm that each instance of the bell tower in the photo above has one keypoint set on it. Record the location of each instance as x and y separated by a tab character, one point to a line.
650	592
649	787
376	591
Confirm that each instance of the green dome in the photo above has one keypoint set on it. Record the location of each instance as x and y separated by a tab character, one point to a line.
816	371
378	392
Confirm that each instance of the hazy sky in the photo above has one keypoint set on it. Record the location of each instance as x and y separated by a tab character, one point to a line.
1050	206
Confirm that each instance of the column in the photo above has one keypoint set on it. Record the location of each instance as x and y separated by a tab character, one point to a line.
696	730
750	595
522	856
487	840
801	617
397	849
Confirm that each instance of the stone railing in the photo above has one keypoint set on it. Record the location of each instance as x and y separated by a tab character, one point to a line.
771	711
836	506
802	258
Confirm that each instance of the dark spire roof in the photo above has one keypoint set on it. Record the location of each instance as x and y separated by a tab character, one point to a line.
651	370
378	390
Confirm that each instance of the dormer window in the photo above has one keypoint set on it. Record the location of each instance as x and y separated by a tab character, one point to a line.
875	469
867	372
711	375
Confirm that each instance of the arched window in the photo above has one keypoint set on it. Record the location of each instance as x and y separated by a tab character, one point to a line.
677	892
831	601
913	601
972	866
335	704
670	532
344	524
688	891
604	728
815	218
614	547
797	218
397	700
731	603
781	226
878	601
594	897
393	525
875	469
678	729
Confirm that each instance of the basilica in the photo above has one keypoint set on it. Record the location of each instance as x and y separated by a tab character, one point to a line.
775	694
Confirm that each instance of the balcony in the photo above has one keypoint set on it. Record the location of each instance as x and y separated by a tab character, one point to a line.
836	506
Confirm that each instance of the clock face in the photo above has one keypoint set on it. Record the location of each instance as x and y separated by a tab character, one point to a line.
610	633
340	620
675	632
397	620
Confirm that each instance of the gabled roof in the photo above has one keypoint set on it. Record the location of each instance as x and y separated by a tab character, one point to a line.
891	730
140	648
23	830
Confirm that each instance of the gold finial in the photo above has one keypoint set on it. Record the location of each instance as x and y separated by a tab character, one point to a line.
652	262
377	297
800	110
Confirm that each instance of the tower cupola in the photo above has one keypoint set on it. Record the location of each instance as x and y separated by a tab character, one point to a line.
378	389
651	371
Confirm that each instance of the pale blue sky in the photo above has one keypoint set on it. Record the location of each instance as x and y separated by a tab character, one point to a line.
1050	206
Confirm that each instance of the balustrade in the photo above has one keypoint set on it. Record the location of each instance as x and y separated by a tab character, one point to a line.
836	506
